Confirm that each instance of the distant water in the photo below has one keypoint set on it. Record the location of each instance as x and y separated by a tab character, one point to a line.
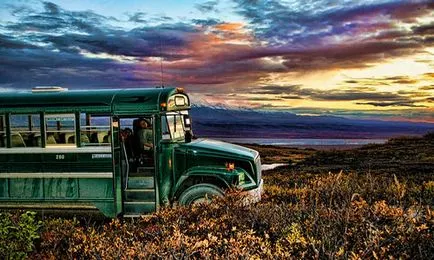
304	141
267	167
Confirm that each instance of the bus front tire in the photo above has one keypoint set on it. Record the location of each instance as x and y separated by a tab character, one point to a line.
200	193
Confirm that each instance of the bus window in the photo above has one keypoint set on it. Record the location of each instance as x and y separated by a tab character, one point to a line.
2	131
60	129
94	130
25	130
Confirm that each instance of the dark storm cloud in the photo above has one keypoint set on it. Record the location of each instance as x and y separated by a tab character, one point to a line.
206	22
51	8
291	97
392	104
425	29
138	17
384	81
202	51
55	38
346	56
27	59
301	34
355	94
25	68
9	42
349	95
278	90
264	99
54	20
310	21
139	42
334	56
209	6
401	80
46	48
430	87
161	19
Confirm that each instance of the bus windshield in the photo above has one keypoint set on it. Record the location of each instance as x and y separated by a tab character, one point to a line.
173	125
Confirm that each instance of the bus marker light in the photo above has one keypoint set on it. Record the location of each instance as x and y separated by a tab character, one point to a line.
230	166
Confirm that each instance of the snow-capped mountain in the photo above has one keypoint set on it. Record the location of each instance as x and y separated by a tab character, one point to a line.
220	121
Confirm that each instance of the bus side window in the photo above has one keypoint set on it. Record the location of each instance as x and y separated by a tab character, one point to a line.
60	129
25	128
94	130
2	131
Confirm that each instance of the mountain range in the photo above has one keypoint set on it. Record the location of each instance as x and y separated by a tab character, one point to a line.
211	121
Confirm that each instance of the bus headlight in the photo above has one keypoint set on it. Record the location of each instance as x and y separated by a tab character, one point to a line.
241	178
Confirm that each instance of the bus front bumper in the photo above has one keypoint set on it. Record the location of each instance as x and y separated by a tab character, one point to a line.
254	195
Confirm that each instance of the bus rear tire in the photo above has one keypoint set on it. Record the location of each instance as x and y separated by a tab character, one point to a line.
200	193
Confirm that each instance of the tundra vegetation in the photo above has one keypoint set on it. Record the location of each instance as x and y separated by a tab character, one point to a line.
376	201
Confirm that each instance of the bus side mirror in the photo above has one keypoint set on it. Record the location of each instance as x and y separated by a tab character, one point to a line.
187	123
188	136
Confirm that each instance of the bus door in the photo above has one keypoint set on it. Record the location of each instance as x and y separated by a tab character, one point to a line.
137	163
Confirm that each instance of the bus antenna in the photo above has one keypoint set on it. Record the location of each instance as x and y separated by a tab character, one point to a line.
161	62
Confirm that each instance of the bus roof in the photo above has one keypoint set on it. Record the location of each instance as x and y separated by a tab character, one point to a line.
104	100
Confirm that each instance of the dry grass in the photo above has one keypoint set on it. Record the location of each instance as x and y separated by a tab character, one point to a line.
332	215
305	213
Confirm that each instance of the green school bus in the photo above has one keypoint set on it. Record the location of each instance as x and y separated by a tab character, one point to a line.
122	152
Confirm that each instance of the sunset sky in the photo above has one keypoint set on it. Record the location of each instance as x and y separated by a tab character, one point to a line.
359	59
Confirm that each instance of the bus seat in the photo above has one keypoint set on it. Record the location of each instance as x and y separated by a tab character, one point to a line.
51	139
38	141
84	138
94	138
34	140
107	139
17	140
101	135
70	138
57	138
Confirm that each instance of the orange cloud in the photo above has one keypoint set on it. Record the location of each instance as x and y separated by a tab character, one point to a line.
229	26
429	76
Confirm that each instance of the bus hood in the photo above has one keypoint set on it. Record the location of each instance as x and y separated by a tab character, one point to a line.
221	148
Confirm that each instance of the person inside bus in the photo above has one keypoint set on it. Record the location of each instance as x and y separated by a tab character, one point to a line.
145	135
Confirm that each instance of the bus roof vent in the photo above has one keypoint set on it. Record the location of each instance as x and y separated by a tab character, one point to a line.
48	89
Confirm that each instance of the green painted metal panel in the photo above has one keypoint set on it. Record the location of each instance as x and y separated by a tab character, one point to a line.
61	188
139	207
140	195
141	182
95	188
4	191
165	176
107	208
221	149
104	101
28	188
117	182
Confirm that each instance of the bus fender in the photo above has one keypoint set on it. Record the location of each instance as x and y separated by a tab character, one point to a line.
217	176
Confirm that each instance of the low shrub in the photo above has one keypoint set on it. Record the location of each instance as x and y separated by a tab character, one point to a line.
373	202
18	233
332	215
